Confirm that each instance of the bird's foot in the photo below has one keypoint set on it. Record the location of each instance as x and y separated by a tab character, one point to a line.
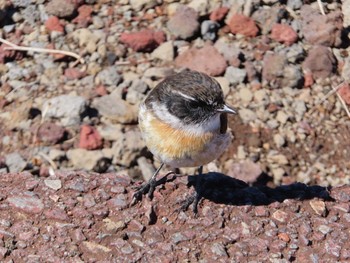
191	200
148	188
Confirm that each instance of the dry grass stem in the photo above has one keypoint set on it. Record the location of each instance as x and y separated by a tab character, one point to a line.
343	103
41	50
321	7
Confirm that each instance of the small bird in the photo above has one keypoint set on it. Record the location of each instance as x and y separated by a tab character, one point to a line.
183	122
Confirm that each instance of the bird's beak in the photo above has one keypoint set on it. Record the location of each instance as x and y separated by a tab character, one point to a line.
227	109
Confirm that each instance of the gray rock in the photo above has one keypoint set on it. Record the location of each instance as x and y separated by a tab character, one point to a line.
136	92
294	4
15	162
279	140
346	12
54	184
84	159
138	5
113	107
56	8
146	168
21	3
109	76
235	75
127	148
110	132
228	49
27	202
245	94
67	108
219	250
164	52
209	29
247	115
184	24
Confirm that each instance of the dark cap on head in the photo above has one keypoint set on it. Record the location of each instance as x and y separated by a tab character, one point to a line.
191	96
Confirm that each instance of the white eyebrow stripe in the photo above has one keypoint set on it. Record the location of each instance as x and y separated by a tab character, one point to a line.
184	95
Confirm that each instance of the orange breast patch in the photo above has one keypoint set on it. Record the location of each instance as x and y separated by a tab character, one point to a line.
173	143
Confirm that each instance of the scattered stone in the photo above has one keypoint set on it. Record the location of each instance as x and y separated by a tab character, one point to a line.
184	24
206	59
84	18
247	115
113	107
219	14
59	9
84	159
319	207
284	34
219	250
57	214
320	62
53	24
266	18
15	162
27	203
273	70
240	24
246	171
95	248
281	216
109	76
235	75
54	184
164	52
145	40
49	132
67	108
344	92
318	29
209	30
90	139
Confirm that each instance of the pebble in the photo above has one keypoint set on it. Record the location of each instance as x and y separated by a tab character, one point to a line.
164	52
206	59
209	30
281	216
344	92
56	8
273	70
235	75
319	207
346	12
84	159
320	61
109	76
246	171
241	24
114	108
89	138
67	108
183	24
247	115
27	203
284	34
54	184
322	30
294	4
49	132
219	250
245	94
219	14
279	140
145	40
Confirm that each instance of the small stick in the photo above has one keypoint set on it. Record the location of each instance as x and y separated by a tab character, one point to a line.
330	93
343	103
41	50
321	7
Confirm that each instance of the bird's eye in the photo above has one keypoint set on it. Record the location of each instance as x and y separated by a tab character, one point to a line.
195	104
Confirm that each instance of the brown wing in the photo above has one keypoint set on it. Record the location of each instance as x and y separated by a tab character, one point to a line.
223	123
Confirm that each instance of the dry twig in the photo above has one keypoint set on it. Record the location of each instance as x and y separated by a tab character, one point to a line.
321	7
12	46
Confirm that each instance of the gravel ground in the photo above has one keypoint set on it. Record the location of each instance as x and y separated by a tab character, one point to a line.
278	63
85	217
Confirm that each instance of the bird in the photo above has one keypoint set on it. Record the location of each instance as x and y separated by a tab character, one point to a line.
183	122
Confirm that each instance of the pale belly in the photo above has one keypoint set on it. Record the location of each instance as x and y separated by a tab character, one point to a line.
178	148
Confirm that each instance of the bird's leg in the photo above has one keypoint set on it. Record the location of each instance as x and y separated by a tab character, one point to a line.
149	187
198	188
196	197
